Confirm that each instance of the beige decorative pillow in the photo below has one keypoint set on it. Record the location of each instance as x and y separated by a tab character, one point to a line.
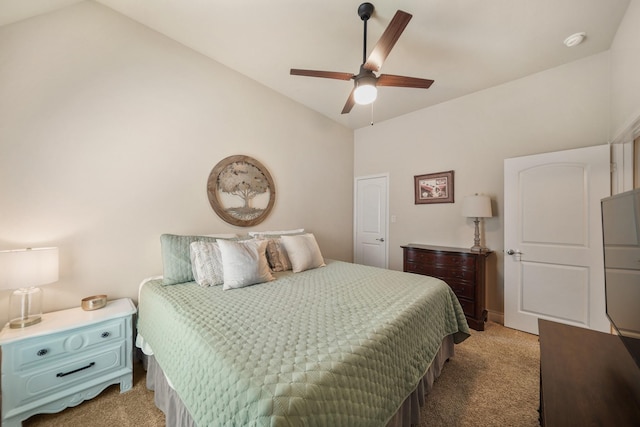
303	251
277	255
244	263
206	262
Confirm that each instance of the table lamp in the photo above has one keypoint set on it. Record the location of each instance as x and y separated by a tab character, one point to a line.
24	270
477	207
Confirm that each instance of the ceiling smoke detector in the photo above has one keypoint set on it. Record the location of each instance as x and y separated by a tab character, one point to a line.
575	39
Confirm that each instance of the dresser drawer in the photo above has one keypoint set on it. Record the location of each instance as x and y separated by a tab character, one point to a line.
447	274
468	307
440	259
33	352
461	289
79	370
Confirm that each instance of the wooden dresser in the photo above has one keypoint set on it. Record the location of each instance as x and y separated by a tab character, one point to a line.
463	270
587	378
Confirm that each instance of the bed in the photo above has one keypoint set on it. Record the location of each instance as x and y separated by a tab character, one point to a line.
335	344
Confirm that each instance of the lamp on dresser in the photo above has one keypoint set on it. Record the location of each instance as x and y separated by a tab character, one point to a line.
477	206
24	270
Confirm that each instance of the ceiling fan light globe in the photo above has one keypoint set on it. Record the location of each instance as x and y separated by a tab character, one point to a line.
365	94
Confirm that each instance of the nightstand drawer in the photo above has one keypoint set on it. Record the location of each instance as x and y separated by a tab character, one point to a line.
76	370
36	350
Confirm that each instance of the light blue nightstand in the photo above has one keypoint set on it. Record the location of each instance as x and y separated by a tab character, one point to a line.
69	357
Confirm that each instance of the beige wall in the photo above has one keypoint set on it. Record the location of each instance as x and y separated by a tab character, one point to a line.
109	131
625	69
562	108
584	103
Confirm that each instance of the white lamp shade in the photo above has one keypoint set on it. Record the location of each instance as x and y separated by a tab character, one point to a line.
476	206
24	268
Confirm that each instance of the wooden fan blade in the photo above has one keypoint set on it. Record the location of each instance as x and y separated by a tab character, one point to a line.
387	40
402	81
349	104
324	74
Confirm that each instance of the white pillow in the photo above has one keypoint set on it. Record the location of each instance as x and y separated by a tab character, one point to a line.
244	263
303	251
275	233
206	263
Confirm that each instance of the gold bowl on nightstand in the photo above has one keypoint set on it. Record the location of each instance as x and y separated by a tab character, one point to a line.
94	302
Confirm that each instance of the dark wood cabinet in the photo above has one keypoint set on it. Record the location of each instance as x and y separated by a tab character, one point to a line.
587	378
464	271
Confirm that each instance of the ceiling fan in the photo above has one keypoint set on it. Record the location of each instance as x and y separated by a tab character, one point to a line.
366	82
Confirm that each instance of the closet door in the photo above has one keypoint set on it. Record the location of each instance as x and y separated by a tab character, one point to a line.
371	207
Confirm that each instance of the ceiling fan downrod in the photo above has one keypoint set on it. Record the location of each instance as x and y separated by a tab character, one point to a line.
365	91
365	10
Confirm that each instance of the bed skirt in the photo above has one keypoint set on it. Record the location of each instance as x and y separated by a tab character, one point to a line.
168	401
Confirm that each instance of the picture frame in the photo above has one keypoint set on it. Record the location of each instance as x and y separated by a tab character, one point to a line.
434	188
241	190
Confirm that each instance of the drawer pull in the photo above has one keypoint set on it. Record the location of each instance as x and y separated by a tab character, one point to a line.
64	374
105	334
42	352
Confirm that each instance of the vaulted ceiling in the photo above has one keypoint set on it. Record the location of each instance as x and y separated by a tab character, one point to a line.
464	45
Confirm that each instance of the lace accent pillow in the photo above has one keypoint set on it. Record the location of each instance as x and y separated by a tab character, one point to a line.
206	262
176	257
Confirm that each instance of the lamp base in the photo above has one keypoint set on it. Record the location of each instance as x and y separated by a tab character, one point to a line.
476	238
23	323
25	307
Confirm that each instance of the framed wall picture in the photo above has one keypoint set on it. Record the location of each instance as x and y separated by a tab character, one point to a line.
434	188
241	191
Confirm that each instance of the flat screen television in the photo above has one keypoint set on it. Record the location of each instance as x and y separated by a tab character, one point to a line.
621	238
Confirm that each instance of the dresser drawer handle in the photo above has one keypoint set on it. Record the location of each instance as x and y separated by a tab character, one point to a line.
105	334
42	352
64	374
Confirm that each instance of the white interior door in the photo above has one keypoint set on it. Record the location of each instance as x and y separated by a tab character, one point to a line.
371	207
553	266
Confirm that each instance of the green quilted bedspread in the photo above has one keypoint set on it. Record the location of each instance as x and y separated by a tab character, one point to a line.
341	345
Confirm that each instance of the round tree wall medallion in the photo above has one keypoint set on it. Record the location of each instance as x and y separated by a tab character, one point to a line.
241	191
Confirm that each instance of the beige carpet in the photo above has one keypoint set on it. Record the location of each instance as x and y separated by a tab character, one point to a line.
134	408
493	380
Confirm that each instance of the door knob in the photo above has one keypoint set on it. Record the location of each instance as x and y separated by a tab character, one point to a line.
380	239
517	253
